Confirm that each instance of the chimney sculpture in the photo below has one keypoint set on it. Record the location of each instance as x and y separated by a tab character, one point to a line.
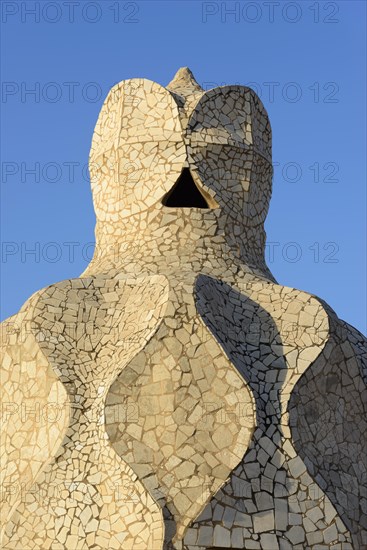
175	396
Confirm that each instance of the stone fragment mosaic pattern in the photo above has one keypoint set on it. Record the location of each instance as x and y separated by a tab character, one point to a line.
175	396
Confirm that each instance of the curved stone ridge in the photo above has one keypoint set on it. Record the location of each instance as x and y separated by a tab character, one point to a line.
270	500
175	396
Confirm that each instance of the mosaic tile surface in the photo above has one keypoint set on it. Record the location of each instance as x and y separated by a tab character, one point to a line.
175	396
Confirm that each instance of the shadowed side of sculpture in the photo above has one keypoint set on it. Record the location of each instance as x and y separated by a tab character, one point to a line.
270	493
328	418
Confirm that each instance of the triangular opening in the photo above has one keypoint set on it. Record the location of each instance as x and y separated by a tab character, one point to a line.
184	193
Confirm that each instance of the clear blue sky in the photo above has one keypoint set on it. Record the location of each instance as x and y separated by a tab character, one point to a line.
305	59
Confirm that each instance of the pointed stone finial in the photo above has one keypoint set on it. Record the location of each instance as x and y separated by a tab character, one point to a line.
184	79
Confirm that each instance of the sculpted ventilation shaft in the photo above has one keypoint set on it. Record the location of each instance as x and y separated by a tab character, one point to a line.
180	397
